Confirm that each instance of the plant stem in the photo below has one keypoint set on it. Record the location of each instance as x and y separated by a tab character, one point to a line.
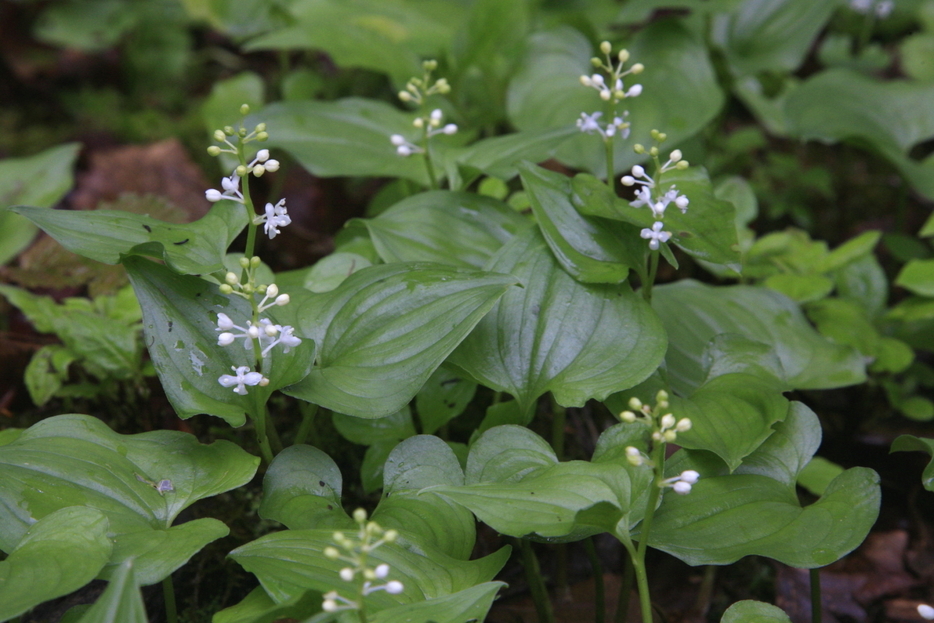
610	168
426	144
259	424
168	591
599	593
533	576
557	428
625	588
638	561
273	434
650	281
250	211
816	613
309	411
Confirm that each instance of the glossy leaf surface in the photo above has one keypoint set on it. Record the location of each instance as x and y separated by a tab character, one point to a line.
384	330
470	604
750	611
121	601
907	443
555	334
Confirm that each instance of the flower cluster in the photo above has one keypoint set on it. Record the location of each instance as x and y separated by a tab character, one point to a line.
879	8
431	124
611	90
261	330
356	552
665	428
275	216
649	192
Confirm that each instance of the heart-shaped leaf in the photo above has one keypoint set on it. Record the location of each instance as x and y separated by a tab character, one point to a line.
179	323
694	314
908	443
382	332
578	341
257	607
107	235
140	482
56	555
460	229
470	604
499	156
749	611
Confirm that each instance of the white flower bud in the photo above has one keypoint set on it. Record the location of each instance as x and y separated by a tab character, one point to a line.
605	95
419	122
263	382
271	330
450	129
436	114
272	165
347	574
225	339
397	139
623	56
675	155
329	605
404	150
681	488
605	47
628	180
405	96
213	195
668	421
689	476
684	424
219	136
272	290
331	553
253	331
394	587
231	278
282	299
638	68
224	323
390	536
586	81
597	80
634	91
682	202
638	171
262	155
635	404
214	150
359	515
926	612
627	416
381	571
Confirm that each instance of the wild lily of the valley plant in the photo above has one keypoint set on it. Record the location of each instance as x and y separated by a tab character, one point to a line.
443	291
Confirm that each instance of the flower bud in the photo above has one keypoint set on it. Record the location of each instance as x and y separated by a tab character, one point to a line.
681	488
224	323
263	382
668	421
231	278
605	47
260	127
242	132
926	612
359	515
247	288
653	151
381	571
272	165
419	122
262	155
271	330
272	290
669	436
329	605
638	68
635	404
450	129
390	536
638	148
675	155
585	80
623	56
214	150
634	91
241	170
244	109
225	339
690	476
627	416
220	136
258	170
213	195
405	96
253	331
331	553
394	587
397	139
255	261
682	165
404	150
430	65
684	424
282	299
262	136
628	180
228	131
225	288
369	575
347	574
638	171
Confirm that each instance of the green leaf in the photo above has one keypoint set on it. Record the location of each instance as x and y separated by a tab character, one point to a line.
800	288
576	340
750	611
444	396
397	426
257	607
551	69
727	517
121	602
460	229
426	518
108	235
40	180
382	332
345	137
330	271
694	313
765	35
729	353
731	415
592	251
516	485
58	554
470	604
818	474
290	562
865	282
499	156
179	323
302	489
41	378
707	231
917	276
909	443
892	117
76	460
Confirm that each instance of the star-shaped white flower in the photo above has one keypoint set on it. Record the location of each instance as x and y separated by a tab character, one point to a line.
655	236
243	378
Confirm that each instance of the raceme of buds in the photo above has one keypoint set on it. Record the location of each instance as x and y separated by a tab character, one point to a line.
681	484
613	87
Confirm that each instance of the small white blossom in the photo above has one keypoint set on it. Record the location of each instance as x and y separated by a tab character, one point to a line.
347	574
243	378
381	571
231	186
404	147
394	587
276	216
655	236
681	484
282	335
926	612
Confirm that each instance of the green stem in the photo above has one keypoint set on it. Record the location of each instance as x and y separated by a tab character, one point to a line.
610	167
533	576
650	280
309	410
168	591
433	180
598	588
557	428
273	434
250	211
625	589
865	34
638	561
816	613
259	424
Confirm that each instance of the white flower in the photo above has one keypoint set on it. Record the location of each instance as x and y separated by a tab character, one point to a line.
381	571
347	574
655	235
643	197
282	335
243	378
226	338
681	487
231	186
926	612
276	216
682	482
404	147
588	123
689	476
394	587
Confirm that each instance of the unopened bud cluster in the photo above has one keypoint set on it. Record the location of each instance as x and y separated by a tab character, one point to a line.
611	90
355	551
430	124
665	428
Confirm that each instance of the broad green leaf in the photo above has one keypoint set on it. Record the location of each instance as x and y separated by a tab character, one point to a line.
302	489
908	443
330	271
706	231
382	332
460	229
41	378
58	554
729	353
345	137
179	324
517	486
444	396
90	28
76	460
289	563
423	517
750	611
694	314
555	334
865	282
499	156
850	251
551	69
800	288
592	251
818	474
917	276
470	604
257	607
727	517
39	180
371	469
121	602
770	35
788	450
892	117
396	426
108	235
846	322
731	415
